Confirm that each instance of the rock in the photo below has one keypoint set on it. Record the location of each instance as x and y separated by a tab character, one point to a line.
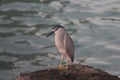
74	72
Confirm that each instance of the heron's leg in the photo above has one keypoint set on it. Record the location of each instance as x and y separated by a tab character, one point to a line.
68	62
61	61
66	66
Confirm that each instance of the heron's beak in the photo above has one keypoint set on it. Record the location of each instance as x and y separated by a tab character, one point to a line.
50	33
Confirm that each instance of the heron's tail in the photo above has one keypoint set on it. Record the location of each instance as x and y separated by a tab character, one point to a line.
72	59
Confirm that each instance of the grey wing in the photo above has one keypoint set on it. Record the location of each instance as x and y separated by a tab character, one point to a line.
68	44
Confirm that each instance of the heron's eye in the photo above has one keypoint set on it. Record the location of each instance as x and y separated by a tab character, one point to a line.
55	29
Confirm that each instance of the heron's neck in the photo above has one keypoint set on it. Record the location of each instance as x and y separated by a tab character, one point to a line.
60	32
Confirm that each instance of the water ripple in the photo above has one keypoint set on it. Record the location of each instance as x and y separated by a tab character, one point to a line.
94	26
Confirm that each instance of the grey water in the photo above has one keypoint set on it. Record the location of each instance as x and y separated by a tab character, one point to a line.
94	26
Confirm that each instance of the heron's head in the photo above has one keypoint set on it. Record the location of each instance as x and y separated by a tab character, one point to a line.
55	28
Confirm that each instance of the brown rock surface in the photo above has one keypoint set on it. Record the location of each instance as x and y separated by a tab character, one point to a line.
74	72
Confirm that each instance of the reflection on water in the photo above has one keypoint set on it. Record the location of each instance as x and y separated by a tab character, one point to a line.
93	25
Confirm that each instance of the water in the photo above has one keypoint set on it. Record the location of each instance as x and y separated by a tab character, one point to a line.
93	25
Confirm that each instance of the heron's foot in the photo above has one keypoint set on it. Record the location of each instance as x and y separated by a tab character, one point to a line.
61	67
66	67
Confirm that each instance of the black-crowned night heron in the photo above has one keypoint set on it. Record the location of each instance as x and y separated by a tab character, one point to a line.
64	44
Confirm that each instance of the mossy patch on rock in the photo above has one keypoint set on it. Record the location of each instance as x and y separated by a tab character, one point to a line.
74	72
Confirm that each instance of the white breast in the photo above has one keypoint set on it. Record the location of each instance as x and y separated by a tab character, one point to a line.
59	40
